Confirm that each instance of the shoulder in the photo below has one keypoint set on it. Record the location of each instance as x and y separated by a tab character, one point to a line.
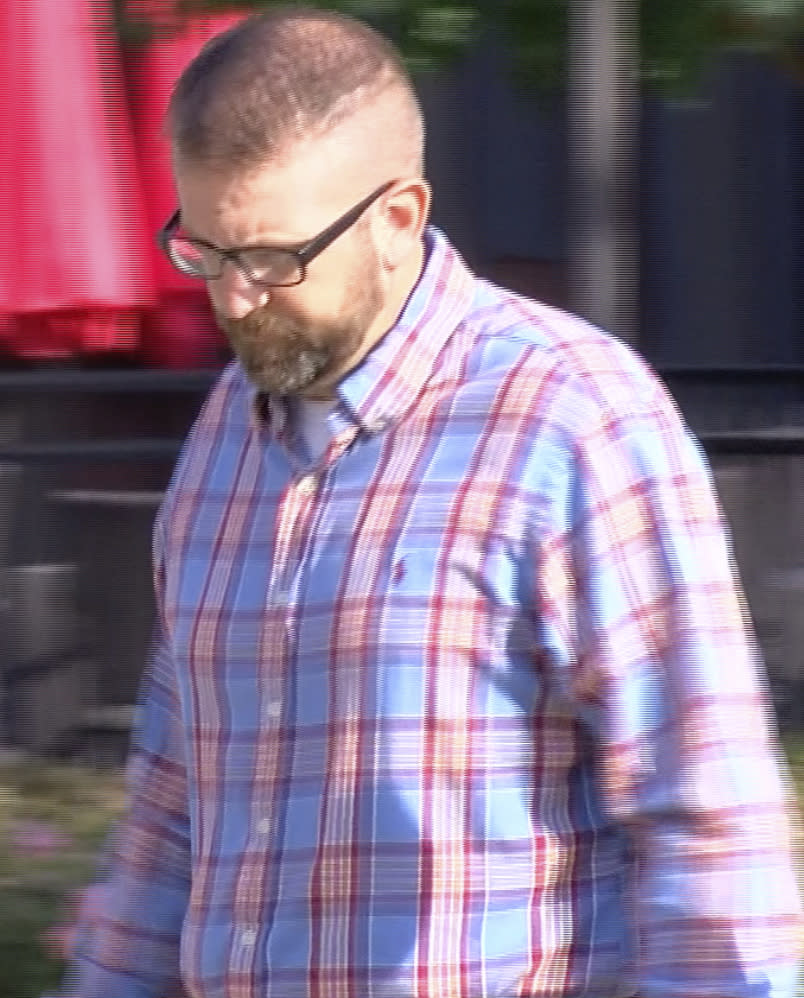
222	423
226	403
568	370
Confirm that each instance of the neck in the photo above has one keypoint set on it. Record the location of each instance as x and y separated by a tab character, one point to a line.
404	283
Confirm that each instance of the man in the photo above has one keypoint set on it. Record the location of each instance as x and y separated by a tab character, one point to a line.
452	694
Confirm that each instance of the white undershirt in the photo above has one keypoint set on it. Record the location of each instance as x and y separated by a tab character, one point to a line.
312	424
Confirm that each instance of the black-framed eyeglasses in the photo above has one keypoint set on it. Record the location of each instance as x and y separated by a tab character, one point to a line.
265	266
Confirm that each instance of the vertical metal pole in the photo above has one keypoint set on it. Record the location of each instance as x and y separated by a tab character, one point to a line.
604	113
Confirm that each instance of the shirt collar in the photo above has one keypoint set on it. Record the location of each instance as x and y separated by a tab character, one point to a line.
392	375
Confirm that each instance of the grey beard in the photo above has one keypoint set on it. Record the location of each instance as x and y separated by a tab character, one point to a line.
287	376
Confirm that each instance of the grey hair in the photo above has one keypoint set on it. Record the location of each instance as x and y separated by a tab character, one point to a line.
280	77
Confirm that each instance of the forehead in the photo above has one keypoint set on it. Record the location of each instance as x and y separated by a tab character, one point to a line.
292	198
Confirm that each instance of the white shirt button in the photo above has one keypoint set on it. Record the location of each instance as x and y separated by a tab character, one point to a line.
248	937
264	826
307	485
273	709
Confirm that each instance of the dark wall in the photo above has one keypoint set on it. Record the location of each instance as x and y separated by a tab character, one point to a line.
722	220
721	206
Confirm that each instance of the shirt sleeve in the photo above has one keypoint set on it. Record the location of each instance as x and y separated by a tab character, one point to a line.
130	948
648	634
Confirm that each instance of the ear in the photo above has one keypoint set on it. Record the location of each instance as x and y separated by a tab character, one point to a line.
407	211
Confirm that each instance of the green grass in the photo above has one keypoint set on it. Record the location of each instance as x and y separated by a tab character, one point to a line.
794	748
81	804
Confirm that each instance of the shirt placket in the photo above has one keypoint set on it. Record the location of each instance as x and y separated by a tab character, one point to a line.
256	888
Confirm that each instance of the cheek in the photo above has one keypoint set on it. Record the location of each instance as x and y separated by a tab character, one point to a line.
295	304
318	299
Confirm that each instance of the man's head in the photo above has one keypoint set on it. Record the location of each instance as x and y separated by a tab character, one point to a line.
278	128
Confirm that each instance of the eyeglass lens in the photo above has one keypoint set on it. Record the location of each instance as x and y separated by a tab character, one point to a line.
270	266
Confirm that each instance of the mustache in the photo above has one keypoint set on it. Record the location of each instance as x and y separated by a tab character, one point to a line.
258	319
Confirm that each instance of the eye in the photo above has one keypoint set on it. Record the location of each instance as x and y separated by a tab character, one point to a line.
191	258
271	265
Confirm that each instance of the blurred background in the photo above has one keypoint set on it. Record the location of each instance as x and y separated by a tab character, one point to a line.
639	163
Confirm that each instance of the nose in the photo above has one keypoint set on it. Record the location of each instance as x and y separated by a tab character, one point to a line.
233	295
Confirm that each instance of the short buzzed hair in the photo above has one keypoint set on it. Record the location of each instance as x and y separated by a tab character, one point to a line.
280	77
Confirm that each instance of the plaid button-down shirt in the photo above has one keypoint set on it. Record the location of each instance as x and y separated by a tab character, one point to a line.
466	707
